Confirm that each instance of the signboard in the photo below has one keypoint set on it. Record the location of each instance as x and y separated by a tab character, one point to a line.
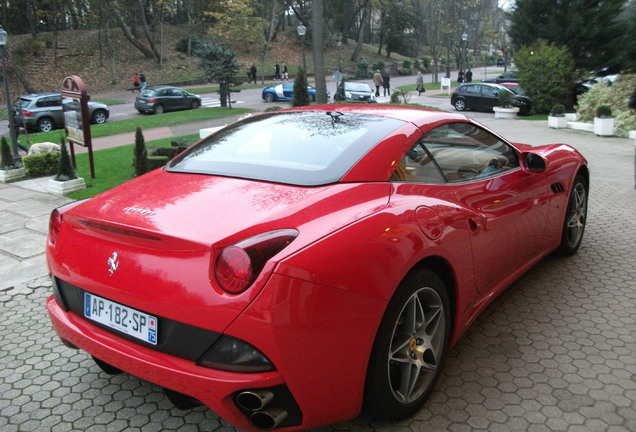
76	118
446	82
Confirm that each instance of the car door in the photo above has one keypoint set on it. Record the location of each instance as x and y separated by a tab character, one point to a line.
488	98
504	208
472	95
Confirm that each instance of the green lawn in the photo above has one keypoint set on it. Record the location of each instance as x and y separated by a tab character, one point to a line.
114	166
144	122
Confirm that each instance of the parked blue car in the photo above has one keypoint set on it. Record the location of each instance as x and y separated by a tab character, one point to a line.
284	92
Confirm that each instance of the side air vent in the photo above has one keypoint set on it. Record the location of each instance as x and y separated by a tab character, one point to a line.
557	188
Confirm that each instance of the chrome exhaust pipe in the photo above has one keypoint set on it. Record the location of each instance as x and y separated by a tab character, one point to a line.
254	400
269	419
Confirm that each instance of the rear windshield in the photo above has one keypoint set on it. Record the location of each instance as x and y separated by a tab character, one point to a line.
301	148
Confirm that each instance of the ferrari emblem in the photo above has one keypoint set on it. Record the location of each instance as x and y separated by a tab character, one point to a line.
113	263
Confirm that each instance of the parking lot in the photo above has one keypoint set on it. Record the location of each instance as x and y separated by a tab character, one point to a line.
556	352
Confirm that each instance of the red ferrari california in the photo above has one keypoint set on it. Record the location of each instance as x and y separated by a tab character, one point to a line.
298	267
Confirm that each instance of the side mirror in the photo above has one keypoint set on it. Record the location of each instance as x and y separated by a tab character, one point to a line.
532	162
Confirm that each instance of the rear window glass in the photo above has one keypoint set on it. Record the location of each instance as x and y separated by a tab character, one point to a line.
302	148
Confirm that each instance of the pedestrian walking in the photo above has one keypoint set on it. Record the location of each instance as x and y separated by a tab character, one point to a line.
136	82
460	77
378	81
276	71
419	83
469	76
285	73
143	81
386	84
252	74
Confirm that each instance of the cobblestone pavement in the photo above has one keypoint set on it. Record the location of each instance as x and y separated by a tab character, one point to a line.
556	352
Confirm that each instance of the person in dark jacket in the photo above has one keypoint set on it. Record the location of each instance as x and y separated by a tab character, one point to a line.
386	84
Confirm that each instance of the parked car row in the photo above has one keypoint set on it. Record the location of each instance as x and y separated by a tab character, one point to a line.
43	112
284	92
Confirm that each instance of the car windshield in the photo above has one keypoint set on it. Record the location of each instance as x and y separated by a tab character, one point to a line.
359	87
299	148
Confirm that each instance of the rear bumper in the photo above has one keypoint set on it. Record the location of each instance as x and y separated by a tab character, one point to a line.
215	389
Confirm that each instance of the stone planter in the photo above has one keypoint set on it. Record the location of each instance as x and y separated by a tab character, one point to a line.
66	187
604	126
505	113
557	122
11	175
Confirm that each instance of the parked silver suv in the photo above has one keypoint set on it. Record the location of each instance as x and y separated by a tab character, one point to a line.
42	112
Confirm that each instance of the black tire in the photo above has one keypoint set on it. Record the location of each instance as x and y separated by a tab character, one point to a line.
575	218
45	124
269	97
460	105
158	109
195	104
99	117
404	346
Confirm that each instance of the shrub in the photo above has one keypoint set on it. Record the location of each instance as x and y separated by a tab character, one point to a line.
558	110
154	162
426	63
405	71
378	65
604	111
363	70
400	96
41	164
616	97
6	160
406	64
546	73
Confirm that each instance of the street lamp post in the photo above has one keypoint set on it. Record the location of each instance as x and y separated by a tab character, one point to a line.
14	141
302	30
464	49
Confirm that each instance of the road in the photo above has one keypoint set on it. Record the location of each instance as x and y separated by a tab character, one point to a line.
251	98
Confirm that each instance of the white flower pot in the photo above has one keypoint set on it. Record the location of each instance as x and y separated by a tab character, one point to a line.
557	122
66	187
505	113
11	175
604	126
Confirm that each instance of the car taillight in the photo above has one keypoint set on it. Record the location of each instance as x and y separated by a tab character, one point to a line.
26	113
55	222
238	265
57	217
152	100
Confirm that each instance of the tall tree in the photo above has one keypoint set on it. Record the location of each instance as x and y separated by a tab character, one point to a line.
319	59
588	28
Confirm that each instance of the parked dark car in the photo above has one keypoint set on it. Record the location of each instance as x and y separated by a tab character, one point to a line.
42	112
284	92
157	99
507	76
486	96
354	91
515	87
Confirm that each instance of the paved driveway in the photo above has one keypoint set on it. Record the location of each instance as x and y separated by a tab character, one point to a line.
557	352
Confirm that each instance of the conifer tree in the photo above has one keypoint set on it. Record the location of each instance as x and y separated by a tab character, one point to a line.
140	161
65	169
301	95
7	158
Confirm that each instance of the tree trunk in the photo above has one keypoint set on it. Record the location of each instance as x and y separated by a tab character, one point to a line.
133	40
364	21
319	60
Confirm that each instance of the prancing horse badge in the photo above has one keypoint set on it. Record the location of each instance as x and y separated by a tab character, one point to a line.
113	263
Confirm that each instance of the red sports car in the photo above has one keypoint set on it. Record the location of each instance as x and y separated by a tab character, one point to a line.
297	267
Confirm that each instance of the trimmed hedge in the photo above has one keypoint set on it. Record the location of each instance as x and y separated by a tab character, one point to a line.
42	164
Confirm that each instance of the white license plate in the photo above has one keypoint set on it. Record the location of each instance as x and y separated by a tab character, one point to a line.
119	317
